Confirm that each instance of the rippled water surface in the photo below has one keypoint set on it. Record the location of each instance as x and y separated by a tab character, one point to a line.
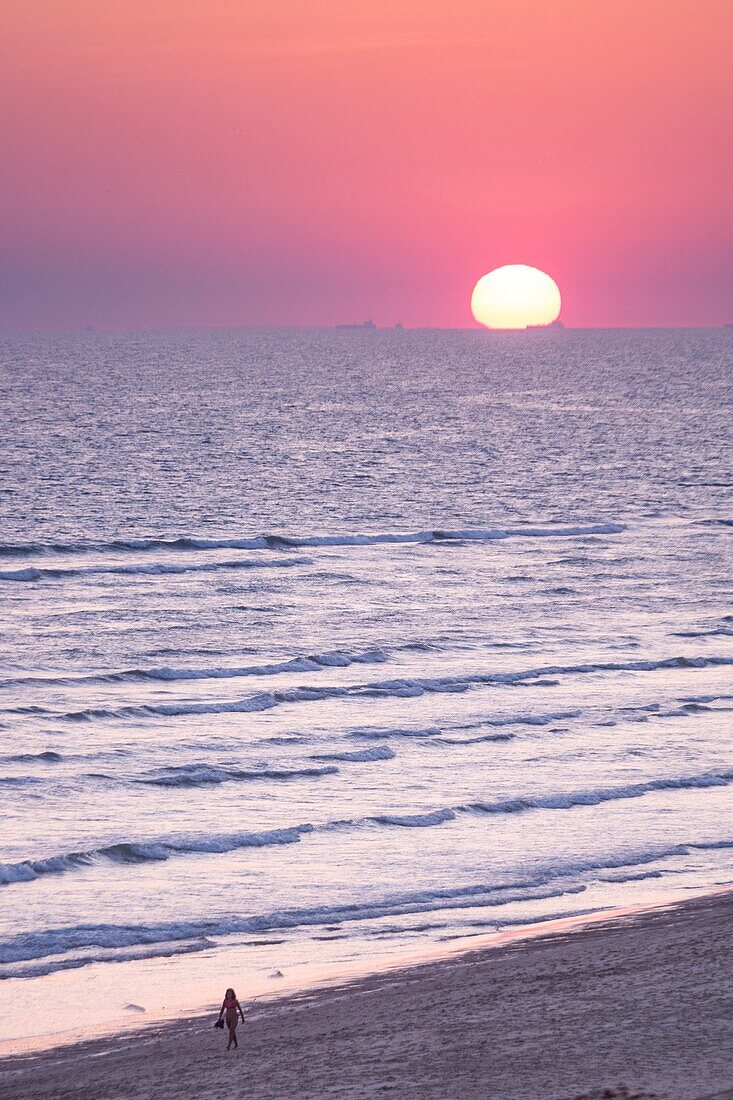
317	645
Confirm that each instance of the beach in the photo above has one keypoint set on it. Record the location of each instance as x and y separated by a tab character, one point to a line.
638	1006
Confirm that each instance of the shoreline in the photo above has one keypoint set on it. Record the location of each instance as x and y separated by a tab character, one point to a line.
546	1010
313	978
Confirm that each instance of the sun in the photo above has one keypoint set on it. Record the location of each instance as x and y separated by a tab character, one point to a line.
515	296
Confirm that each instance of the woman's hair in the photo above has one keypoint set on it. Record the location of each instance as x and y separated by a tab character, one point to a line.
233	995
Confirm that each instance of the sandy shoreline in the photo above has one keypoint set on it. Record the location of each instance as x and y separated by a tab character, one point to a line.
637	1007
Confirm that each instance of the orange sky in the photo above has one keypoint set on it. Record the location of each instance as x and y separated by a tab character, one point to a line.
225	162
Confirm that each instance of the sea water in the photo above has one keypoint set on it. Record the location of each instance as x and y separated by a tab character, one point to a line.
320	647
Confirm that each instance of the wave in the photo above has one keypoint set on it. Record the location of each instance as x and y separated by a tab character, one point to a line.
46	757
316	662
34	573
498	737
686	710
379	752
398	688
415	821
209	775
28	870
644	714
251	705
465	535
520	720
132	954
381	733
99	940
278	542
704	699
156	850
31	946
206	775
629	876
720	631
604	794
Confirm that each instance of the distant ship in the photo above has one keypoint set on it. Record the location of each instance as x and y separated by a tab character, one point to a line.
366	324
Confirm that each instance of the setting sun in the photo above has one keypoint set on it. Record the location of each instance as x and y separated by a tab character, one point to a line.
515	296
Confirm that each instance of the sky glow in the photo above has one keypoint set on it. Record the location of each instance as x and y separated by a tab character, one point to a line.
174	162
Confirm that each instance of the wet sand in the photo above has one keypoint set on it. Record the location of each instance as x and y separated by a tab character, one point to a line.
640	1007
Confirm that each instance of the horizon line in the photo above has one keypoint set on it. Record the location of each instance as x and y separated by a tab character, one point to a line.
93	330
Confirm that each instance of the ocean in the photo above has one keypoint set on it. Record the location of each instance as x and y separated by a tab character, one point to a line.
321	648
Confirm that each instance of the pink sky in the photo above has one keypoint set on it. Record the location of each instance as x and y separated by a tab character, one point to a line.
226	162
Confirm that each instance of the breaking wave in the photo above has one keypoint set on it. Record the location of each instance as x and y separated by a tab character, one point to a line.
380	752
119	955
82	944
34	573
278	542
604	794
398	688
143	851
415	821
206	775
316	662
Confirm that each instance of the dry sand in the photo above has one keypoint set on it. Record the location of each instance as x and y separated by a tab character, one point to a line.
641	1007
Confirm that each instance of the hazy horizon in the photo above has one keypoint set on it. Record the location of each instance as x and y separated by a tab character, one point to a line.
348	326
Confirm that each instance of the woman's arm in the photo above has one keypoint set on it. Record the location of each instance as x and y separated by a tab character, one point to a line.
240	1011
221	1010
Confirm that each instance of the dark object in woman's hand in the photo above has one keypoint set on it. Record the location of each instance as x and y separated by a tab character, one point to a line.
219	1023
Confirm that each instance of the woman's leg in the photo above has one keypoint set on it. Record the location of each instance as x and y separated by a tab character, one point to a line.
232	1033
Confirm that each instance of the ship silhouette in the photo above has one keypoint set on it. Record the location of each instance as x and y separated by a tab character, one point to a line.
368	324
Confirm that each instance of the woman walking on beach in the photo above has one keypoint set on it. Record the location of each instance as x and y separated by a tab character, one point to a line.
233	1009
